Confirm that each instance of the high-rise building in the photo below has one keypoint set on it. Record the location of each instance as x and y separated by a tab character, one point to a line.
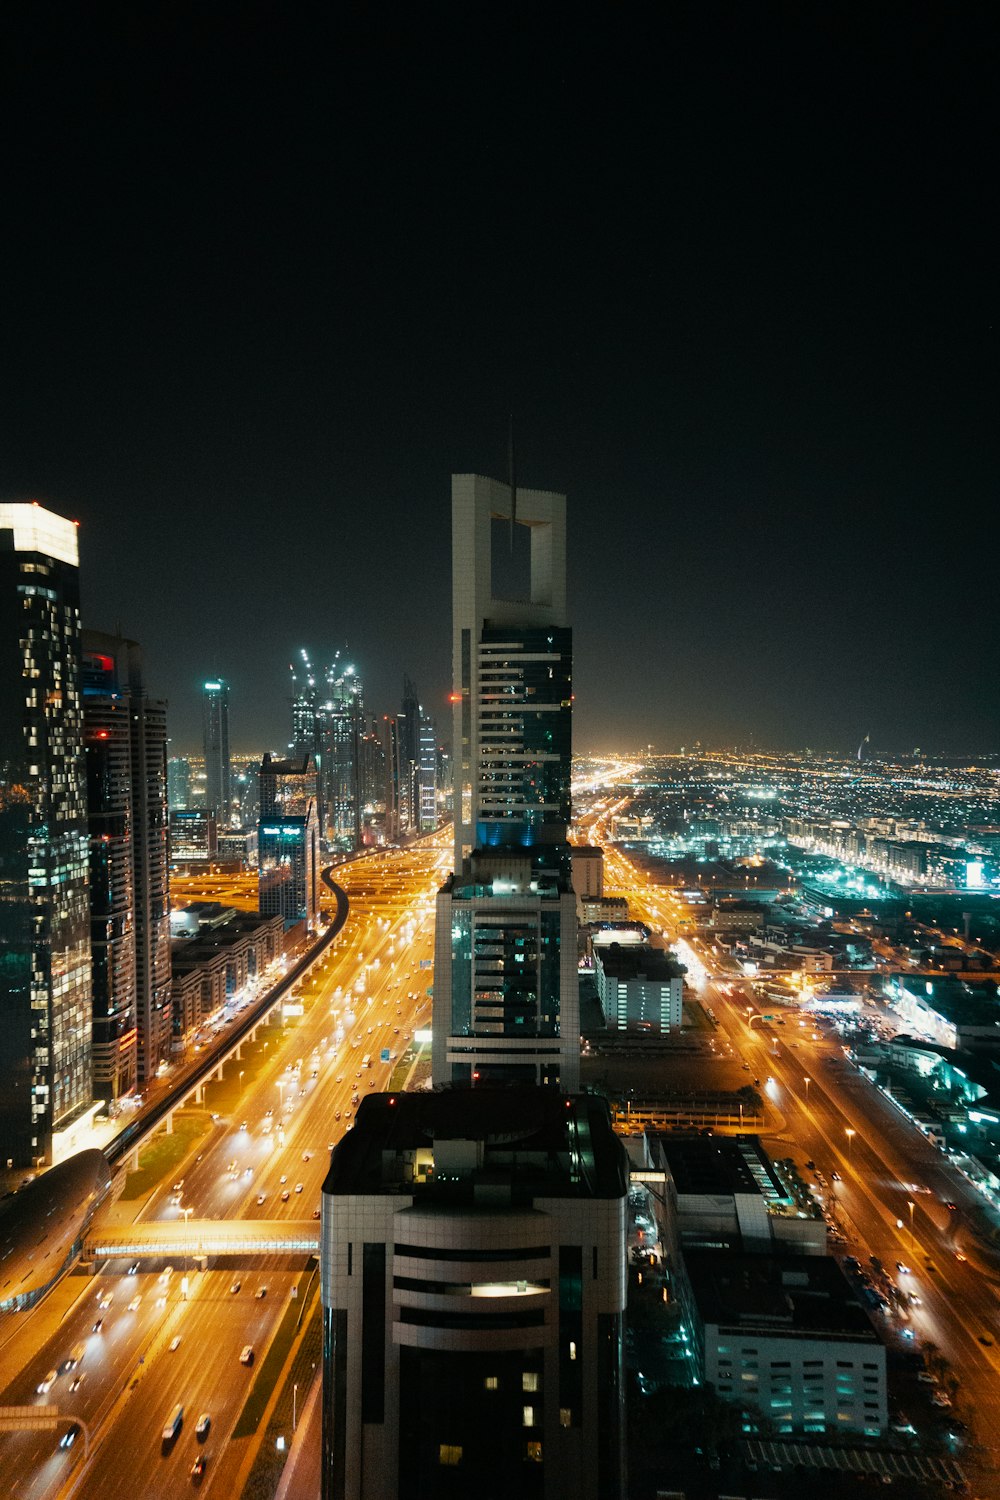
113	677
427	779
473	1287
506	1000
417	765
288	840
108	743
216	738
45	1036
178	781
328	724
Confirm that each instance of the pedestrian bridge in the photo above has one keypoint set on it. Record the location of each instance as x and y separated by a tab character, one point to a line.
192	1237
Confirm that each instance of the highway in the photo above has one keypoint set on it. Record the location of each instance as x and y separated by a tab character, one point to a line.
297	1095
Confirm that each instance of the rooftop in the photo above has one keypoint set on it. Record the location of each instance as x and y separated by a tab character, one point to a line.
713	1165
635	962
796	1296
488	1147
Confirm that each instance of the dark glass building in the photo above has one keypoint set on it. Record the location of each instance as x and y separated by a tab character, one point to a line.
132	1031
218	790
45	1038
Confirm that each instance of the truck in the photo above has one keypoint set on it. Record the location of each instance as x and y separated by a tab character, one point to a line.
172	1425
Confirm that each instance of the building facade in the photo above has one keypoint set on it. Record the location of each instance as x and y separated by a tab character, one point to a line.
45	976
288	841
506	998
640	988
194	835
473	1290
113	678
218	775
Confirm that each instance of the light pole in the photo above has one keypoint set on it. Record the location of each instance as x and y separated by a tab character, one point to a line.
911	1206
295	1403
850	1142
241	1083
281	1093
187	1212
807	1082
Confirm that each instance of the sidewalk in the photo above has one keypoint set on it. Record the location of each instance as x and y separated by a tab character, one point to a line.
301	1475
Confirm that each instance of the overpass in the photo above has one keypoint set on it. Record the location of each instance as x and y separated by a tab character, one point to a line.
155	1240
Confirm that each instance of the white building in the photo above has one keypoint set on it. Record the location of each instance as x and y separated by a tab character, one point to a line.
640	988
788	1337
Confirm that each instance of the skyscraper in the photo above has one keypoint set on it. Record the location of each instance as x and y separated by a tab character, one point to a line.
216	738
113	679
506	1003
45	1036
288	840
328	724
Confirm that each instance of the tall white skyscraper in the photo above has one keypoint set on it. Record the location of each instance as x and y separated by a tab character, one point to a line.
506	999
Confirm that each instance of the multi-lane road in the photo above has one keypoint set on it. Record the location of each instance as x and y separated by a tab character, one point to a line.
265	1156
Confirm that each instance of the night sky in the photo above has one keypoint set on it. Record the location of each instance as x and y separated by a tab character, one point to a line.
270	278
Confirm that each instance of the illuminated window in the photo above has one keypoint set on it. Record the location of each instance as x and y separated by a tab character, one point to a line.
533	1452
491	1383
572	1349
529	1380
565	1417
449	1455
527	1416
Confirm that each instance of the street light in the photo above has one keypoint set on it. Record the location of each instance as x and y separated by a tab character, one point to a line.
911	1206
850	1141
807	1082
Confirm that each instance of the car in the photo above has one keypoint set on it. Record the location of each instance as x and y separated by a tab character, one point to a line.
106	1300
260	1199
202	1425
243	1126
166	1274
178	1185
940	1398
99	1325
926	1378
70	1436
134	1304
985	1340
246	1354
77	1381
175	1343
44	1386
237	1283
260	1292
133	1268
914	1300
285	1196
198	1467
306	1155
836	1176
283	1178
298	1187
316	1213
903	1270
268	1113
960	1256
952	1208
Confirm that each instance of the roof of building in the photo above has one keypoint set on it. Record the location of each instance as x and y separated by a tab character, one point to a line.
957	1001
619	962
40	1225
714	1165
489	1147
791	1296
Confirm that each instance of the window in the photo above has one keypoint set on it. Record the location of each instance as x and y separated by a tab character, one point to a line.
529	1380
565	1417
572	1349
449	1455
527	1416
533	1452
491	1383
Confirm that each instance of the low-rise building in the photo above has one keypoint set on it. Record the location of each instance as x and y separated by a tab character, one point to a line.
640	988
787	1336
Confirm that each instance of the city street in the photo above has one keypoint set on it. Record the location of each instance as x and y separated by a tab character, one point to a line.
308	1074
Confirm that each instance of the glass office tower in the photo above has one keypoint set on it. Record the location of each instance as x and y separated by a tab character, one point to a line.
216	733
45	1039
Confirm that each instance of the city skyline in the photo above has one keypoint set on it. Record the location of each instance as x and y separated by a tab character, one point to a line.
735	290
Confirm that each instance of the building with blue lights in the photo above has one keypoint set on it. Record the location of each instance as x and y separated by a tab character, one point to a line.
288	841
506	996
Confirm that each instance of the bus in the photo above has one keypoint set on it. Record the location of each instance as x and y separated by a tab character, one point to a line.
172	1426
